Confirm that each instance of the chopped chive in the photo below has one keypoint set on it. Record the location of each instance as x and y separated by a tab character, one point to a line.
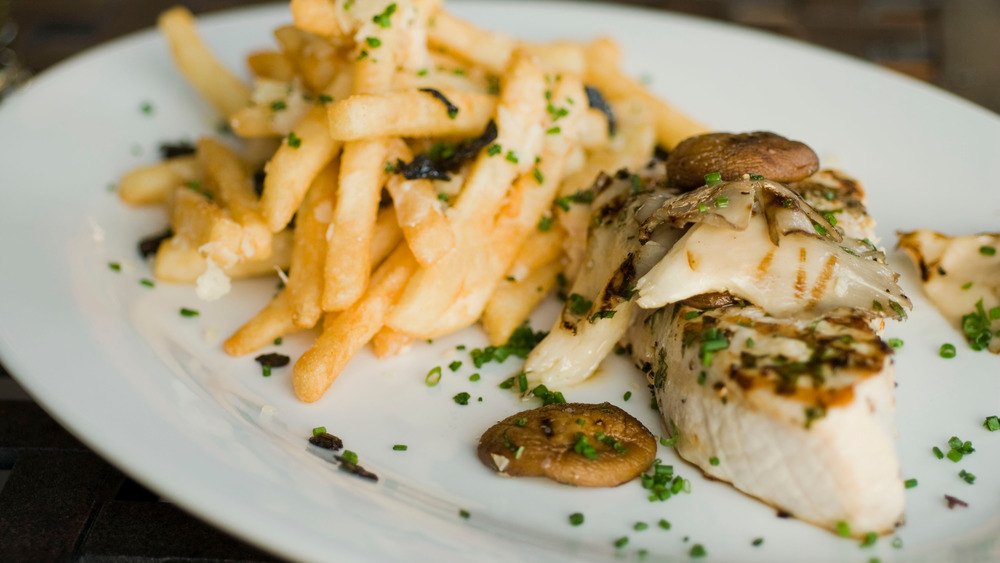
843	529
511	157
462	398
967	285
992	423
987	250
373	41
399	448
463	513
722	201
663	524
325	99
576	518
697	550
185	312
147	282
350	456
319	430
947	350
713	461
115	266
869	539
627	396
937	452
713	177
294	140
757	541
967	477
621	542
493	149
640	526
474	377
910	483
455	365
278	105
278	341
522	381
521	422
433	376
382	20
895	343
537	175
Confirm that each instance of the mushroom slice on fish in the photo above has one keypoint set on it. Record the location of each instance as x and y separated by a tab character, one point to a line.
961	277
773	250
599	305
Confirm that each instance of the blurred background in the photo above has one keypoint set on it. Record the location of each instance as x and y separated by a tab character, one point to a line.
60	502
953	44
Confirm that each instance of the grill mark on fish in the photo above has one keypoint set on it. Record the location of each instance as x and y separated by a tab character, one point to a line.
821	282
800	275
765	265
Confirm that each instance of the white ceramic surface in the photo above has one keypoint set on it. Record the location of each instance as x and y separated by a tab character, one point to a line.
115	363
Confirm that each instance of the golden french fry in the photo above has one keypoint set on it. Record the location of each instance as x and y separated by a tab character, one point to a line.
410	114
272	65
322	17
226	175
252	122
540	248
512	302
291	170
531	197
178	262
603	72
418	211
197	221
274	320
345	332
559	57
152	183
594	129
386	237
208	76
459	38
433	288
305	278
388	342
348	258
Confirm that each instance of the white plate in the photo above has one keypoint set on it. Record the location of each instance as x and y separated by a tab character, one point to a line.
115	363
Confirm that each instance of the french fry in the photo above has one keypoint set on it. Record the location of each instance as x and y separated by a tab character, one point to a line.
512	302
348	259
305	278
410	114
345	332
672	126
227	176
208	76
199	223
152	184
252	122
531	196
291	170
540	248
362	175
418	212
594	129
178	262
459	38
272	65
273	321
432	289
388	342
386	237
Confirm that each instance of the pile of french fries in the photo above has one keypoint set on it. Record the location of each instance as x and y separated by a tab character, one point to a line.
355	89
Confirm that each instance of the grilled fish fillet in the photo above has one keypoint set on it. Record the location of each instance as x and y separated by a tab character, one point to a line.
796	411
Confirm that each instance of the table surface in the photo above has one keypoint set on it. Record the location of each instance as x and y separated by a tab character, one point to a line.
59	501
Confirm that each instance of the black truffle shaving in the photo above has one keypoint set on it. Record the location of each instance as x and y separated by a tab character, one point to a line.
426	166
173	150
597	101
452	108
326	441
351	467
149	245
273	360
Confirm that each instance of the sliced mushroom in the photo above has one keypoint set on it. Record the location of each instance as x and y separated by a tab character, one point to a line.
733	155
575	443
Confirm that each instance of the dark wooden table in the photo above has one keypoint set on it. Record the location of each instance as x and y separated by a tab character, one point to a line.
59	501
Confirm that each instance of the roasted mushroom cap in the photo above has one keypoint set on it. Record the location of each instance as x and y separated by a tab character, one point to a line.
580	444
733	155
